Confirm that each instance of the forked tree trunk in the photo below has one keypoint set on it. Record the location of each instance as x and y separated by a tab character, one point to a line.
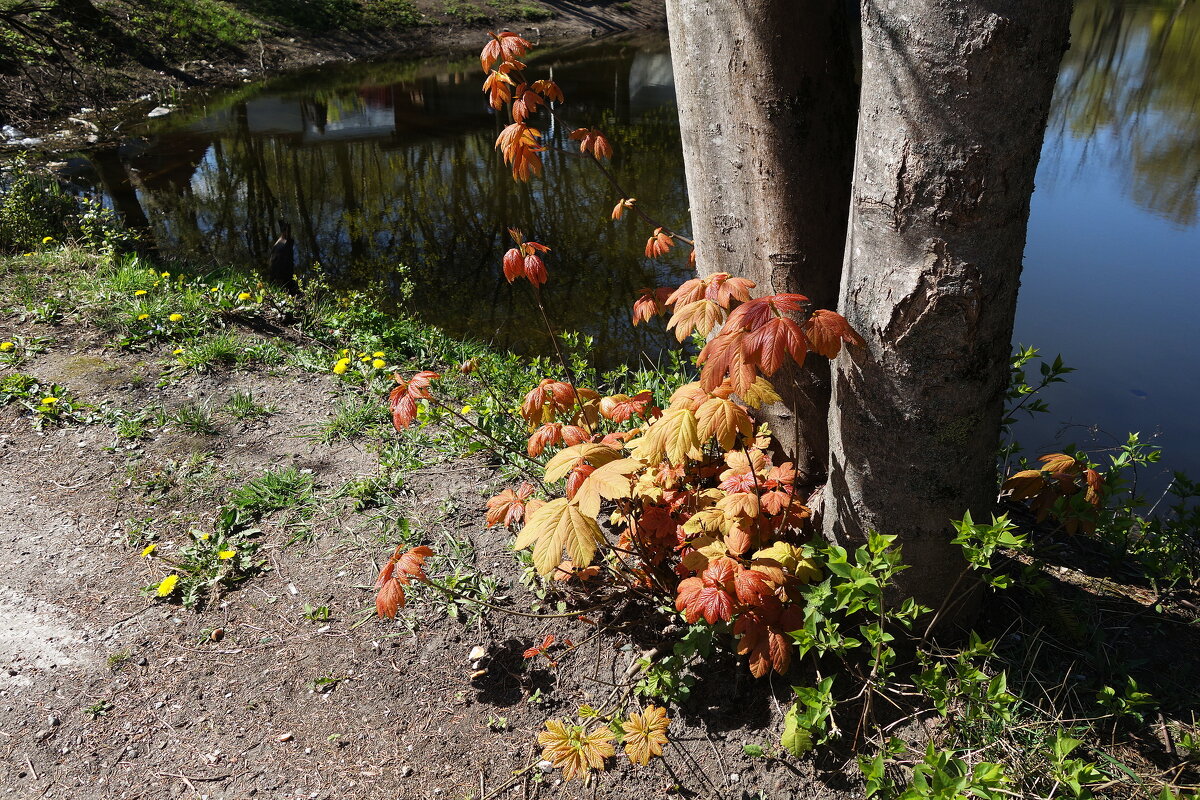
767	103
954	103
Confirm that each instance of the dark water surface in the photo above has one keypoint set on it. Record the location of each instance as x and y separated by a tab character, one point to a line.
392	164
389	164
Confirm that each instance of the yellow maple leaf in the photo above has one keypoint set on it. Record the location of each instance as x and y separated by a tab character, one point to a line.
574	749
645	734
557	525
701	315
724	420
791	558
609	482
564	460
761	393
674	435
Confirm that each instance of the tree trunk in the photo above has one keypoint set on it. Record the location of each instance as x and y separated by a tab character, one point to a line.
767	106
954	103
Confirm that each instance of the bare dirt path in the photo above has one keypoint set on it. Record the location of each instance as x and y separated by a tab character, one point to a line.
286	686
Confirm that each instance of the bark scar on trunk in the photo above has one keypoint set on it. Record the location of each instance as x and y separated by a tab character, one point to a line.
946	288
903	196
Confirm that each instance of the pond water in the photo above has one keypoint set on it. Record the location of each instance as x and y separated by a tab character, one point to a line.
387	174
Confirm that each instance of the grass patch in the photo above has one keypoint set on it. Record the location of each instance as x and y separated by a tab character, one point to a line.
190	27
353	416
520	10
210	352
242	405
272	491
337	14
466	13
195	417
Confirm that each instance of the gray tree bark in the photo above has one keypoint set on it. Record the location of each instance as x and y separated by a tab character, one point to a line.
954	103
767	102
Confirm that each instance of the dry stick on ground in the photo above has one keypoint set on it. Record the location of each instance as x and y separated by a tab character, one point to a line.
516	778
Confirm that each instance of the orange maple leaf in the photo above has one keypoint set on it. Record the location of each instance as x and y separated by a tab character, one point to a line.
710	595
763	629
496	86
576	477
619	209
827	330
548	90
688	292
723	420
526	103
553	433
504	46
650	303
768	344
658	243
546	399
541	649
575	749
592	141
519	145
722	288
508	507
620	408
726	355
757	312
400	569
403	399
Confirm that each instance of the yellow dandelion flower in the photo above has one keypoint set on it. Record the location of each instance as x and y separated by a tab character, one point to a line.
26	255
203	537
168	585
175	317
150	548
47	239
378	363
340	368
143	316
6	346
466	409
139	293
225	555
343	352
378	354
50	401
243	296
165	275
178	351
214	289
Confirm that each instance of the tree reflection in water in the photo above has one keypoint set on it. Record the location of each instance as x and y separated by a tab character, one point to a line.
383	165
1130	86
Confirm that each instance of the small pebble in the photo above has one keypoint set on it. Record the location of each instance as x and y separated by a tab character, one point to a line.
477	652
545	766
284	737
